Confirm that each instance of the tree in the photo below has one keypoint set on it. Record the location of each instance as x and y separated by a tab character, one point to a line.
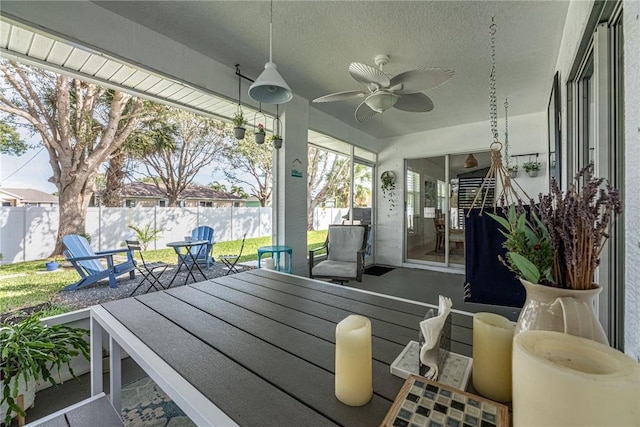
175	157
81	124
218	186
236	190
249	163
153	133
327	171
10	141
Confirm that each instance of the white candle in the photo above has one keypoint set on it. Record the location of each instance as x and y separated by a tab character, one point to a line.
354	385
492	346
564	380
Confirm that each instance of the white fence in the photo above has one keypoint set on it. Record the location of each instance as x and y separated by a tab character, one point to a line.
29	233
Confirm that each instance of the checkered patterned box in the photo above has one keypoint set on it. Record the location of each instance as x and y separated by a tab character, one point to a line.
430	404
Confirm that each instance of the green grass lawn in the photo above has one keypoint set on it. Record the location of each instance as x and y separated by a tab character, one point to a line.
31	285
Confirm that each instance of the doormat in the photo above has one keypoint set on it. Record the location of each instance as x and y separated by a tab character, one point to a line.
145	404
376	270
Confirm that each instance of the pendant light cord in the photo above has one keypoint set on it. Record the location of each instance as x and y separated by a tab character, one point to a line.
271	32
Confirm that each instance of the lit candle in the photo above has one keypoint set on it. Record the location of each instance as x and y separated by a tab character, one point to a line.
564	380
354	385
492	346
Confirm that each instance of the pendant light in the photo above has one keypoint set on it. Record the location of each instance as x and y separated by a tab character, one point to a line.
470	162
270	87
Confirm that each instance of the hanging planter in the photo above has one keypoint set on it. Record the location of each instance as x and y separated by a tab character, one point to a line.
239	123
277	141
388	186
259	121
532	168
513	171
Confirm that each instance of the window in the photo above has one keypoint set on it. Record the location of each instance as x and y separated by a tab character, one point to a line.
162	203
204	204
130	203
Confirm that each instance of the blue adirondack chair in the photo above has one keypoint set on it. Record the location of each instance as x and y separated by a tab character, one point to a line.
203	253
87	263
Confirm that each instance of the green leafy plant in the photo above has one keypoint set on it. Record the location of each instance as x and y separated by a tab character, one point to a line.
260	129
145	235
531	166
513	168
388	186
528	244
560	244
31	350
239	120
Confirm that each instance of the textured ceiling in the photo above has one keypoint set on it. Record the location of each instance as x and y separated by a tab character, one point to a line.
314	42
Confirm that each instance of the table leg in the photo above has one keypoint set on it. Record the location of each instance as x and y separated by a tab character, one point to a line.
259	258
194	262
277	254
181	262
96	357
115	373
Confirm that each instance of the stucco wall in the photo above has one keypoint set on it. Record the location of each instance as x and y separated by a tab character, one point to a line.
631	28
527	134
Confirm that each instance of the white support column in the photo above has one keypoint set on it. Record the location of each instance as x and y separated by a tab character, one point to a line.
290	223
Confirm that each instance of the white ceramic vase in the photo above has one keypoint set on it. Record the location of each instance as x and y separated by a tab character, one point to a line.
547	308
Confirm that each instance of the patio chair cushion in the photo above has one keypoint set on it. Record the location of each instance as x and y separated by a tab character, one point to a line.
336	268
344	243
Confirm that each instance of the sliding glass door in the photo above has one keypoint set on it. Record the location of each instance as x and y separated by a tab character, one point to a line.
437	192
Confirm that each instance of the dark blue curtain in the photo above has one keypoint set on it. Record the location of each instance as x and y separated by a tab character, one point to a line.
487	280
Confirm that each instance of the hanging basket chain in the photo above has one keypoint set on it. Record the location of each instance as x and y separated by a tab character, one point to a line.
506	131
498	176
493	103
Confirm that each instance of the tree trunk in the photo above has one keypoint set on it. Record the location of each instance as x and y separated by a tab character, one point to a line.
112	195
74	201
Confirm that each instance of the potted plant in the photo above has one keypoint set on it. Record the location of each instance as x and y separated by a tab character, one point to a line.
554	249
277	141
388	186
31	350
260	134
532	168
239	123
513	171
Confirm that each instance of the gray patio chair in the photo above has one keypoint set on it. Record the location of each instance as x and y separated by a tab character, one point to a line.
345	247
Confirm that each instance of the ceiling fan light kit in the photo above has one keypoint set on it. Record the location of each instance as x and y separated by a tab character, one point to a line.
403	92
270	87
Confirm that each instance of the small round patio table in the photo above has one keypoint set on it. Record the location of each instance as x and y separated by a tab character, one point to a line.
275	251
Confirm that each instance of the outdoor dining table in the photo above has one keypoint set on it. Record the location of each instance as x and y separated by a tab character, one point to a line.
257	348
182	258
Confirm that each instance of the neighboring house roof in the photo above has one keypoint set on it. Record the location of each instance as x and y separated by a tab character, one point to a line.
147	190
30	195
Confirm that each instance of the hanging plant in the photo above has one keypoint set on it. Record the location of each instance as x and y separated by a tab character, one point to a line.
532	168
239	123
388	186
277	141
260	134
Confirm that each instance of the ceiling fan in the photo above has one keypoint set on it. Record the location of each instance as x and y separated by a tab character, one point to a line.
403	91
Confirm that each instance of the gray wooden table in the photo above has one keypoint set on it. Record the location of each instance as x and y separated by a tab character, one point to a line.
257	348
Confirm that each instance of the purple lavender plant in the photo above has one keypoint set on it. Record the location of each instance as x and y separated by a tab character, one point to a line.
578	222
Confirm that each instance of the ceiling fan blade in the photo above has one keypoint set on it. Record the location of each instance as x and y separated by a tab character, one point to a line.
364	113
367	74
415	102
421	79
341	96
